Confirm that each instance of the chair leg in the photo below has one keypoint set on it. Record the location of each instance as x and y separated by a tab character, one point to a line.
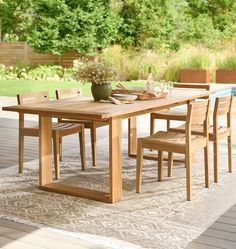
160	164
215	151
56	154
152	124
170	163
188	176
93	144
139	166
167	124
206	164
21	152
230	153
60	148
82	149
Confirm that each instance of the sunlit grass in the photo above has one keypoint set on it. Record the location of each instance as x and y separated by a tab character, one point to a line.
14	87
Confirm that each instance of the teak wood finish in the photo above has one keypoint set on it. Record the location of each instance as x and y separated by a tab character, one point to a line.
223	107
170	114
184	143
56	131
92	125
87	109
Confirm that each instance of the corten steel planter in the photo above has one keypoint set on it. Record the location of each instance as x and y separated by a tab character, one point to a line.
195	76
225	76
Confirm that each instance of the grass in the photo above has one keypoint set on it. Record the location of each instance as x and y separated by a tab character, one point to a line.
14	87
227	62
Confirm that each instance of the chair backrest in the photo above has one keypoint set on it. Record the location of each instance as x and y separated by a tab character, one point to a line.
194	86
68	93
223	105
198	112
28	98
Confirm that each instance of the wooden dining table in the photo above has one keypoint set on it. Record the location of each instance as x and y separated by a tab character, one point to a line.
87	109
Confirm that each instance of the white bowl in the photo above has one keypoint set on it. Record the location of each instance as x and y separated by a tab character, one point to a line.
125	97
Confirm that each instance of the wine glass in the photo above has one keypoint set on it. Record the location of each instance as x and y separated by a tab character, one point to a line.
162	85
170	87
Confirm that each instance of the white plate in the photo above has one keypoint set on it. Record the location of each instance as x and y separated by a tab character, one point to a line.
126	97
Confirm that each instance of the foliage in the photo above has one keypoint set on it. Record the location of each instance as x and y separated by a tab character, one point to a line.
95	73
14	17
197	61
228	62
188	58
133	65
147	24
82	26
36	72
172	72
89	25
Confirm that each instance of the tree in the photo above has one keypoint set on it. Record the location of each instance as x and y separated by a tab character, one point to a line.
150	23
79	25
14	15
221	15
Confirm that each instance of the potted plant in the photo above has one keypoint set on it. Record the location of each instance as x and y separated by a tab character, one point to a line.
226	69
196	69
100	75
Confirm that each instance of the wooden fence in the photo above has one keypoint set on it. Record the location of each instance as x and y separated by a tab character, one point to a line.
13	52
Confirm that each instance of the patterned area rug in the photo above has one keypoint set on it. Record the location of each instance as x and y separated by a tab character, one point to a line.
159	217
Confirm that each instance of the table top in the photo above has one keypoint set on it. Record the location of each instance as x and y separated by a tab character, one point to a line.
86	108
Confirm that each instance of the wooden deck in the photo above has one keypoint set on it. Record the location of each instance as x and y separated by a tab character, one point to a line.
18	236
222	234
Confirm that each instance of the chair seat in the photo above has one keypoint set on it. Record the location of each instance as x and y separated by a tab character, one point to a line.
171	114
172	141
222	131
56	127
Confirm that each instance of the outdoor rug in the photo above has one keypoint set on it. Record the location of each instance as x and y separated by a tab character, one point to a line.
159	217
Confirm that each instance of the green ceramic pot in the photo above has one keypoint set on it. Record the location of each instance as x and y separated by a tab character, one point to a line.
101	91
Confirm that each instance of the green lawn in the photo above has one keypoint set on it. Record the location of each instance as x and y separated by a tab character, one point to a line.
14	87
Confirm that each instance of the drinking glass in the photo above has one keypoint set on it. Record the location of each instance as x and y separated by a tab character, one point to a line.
170	87
162	85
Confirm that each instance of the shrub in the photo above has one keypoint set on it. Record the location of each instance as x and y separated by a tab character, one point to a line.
172	72
228	62
133	65
198	61
36	72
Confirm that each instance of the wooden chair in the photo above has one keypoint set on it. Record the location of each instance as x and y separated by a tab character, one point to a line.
59	130
173	114
184	143
223	107
92	125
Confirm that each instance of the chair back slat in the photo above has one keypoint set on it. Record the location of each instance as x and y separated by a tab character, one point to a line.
194	86
29	98
199	111
223	105
68	93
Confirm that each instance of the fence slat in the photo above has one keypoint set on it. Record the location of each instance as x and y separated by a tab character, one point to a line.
13	52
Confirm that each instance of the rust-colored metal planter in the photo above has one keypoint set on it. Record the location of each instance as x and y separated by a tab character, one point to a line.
225	76
195	76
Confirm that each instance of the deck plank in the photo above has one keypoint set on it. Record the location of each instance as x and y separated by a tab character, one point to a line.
14	235
221	234
39	238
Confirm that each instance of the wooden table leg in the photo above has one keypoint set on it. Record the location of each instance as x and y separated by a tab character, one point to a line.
45	165
115	160
45	150
132	136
